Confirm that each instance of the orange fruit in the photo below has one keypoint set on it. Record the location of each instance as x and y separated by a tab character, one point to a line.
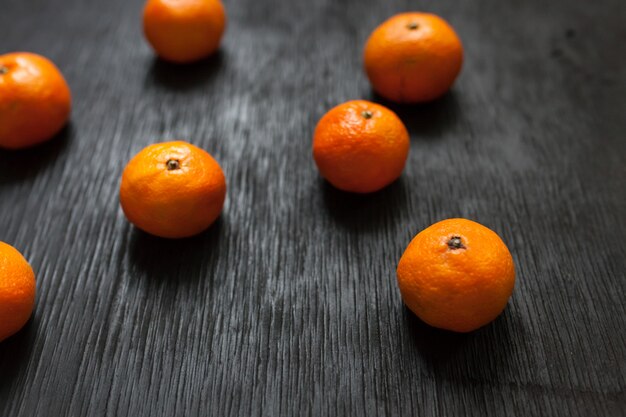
35	101
184	31
172	189
413	57
17	291
456	275
360	146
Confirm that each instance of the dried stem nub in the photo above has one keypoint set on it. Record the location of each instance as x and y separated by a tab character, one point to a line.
412	26
367	114
3	70
173	164
455	242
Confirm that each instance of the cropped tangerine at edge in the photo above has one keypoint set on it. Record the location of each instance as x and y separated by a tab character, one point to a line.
17	291
35	100
184	31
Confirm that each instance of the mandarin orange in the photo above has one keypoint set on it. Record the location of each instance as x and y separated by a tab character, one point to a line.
413	57
456	275
17	291
360	146
184	31
172	190
35	100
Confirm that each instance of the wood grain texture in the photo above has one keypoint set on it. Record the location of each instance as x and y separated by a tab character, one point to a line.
288	305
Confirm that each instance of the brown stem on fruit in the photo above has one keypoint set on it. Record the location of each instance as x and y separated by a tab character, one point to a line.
412	26
455	243
3	70
367	114
173	164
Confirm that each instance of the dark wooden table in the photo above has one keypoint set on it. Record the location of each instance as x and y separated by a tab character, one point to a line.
288	305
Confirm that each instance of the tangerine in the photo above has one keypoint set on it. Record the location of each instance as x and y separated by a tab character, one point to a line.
35	100
360	146
456	275
413	57
17	291
184	31
172	190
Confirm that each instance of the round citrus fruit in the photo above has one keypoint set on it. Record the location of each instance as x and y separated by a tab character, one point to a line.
35	100
456	275
413	57
360	146
17	291
173	190
184	31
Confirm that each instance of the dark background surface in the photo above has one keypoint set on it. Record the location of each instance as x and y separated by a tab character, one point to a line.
289	305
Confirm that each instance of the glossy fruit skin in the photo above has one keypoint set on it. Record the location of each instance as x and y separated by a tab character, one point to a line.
184	31
360	154
17	291
458	289
35	100
174	203
413	57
